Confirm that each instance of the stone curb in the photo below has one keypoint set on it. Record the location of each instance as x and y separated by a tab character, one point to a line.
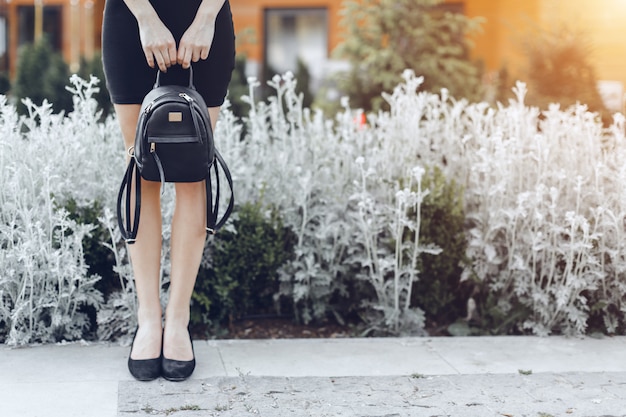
541	395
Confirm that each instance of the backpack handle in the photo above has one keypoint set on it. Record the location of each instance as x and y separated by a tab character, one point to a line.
129	225
212	222
157	83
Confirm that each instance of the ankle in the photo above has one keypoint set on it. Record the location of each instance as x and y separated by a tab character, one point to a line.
149	316
178	318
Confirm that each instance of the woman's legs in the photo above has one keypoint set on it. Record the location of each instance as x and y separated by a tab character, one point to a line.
187	246
145	253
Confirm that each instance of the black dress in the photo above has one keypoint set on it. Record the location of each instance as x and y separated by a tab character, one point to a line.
128	76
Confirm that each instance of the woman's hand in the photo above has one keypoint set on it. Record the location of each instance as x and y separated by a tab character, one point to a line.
196	42
198	38
156	39
157	42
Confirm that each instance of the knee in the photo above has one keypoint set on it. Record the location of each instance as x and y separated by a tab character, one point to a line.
150	191
191	205
190	192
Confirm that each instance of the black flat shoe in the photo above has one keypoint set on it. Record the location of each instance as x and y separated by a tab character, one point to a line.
144	369
177	371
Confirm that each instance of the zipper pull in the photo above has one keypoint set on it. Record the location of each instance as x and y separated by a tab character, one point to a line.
186	97
153	147
149	107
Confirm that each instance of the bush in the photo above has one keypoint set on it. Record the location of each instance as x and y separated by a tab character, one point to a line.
5	83
303	86
239	275
560	70
385	37
46	289
543	201
99	259
93	67
238	87
506	160
439	290
42	75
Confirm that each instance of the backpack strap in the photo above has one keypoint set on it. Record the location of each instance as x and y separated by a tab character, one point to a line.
128	229
213	224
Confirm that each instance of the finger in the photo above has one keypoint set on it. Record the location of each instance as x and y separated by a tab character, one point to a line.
165	53
186	61
160	61
172	54
149	58
204	54
195	56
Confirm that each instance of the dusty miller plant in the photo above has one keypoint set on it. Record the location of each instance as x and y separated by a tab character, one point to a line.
390	261
544	201
311	169
293	159
44	159
546	209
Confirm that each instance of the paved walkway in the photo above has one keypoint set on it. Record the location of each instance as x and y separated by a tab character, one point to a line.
481	376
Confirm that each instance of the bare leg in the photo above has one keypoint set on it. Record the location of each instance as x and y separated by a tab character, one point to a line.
187	246
145	254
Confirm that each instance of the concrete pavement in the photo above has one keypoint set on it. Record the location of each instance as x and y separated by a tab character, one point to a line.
473	376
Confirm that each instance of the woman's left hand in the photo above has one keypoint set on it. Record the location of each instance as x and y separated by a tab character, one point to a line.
196	42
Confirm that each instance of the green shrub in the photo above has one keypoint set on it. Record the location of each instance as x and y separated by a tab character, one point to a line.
99	259
238	87
94	67
238	276
303	75
385	37
5	82
439	291
42	74
560	70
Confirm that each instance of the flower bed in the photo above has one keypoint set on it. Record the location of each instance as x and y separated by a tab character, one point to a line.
540	195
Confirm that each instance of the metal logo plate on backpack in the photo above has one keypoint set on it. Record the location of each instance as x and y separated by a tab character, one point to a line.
175	116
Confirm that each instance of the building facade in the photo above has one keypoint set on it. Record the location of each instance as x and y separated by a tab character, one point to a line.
275	34
72	27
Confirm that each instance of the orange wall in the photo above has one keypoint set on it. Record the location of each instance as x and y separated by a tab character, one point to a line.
604	22
505	22
248	14
508	22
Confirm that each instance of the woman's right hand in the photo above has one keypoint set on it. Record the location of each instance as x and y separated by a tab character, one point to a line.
157	42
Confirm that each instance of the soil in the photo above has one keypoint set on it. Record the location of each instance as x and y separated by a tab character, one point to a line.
281	328
287	328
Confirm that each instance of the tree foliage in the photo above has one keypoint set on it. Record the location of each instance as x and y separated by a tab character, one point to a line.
385	37
93	66
560	69
42	74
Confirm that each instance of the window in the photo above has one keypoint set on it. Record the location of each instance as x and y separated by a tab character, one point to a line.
3	35
293	34
4	61
52	25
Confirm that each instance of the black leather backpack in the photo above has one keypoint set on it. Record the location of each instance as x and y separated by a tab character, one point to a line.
173	143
